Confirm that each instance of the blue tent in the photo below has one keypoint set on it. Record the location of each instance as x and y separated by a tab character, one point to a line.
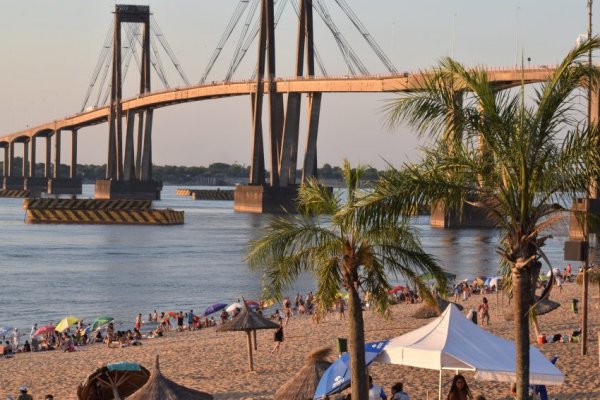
337	376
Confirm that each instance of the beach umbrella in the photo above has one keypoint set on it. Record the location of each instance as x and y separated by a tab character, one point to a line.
248	321
66	323
213	308
302	386
172	314
396	289
233	306
100	321
252	304
44	330
113	381
159	387
6	329
543	307
337	376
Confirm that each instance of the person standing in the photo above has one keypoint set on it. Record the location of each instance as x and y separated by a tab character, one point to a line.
398	393
278	338
459	389
138	321
376	392
484	312
34	328
191	320
23	394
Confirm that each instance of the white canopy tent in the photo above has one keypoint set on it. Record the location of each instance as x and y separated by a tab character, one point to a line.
453	342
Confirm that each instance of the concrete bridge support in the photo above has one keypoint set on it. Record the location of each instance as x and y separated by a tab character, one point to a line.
577	227
59	184
284	132
127	178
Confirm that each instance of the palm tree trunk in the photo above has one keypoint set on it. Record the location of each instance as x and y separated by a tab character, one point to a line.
522	301
358	370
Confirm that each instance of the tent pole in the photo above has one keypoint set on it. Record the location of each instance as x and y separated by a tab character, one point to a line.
440	386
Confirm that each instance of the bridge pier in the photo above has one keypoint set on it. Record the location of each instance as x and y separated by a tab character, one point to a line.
57	184
281	192
128	177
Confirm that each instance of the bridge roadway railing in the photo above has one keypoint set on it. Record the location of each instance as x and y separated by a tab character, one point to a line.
99	115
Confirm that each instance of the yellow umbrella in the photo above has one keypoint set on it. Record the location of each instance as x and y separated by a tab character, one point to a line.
342	295
66	323
268	303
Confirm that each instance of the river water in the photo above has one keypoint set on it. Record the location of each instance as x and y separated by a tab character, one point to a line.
50	271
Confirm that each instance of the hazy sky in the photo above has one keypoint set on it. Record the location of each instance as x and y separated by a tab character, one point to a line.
48	51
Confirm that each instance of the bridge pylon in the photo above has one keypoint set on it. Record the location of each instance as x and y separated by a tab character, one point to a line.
126	176
284	126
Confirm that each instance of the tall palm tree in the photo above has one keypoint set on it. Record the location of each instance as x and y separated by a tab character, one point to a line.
520	160
327	240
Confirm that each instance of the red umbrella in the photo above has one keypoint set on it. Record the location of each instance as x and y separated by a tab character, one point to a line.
396	289
173	314
44	330
252	304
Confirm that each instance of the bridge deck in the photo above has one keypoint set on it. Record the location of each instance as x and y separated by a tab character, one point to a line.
371	84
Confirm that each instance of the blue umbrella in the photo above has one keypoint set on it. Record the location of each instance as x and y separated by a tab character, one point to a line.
213	308
337	376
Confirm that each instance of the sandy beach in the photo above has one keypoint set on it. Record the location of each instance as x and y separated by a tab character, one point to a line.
217	362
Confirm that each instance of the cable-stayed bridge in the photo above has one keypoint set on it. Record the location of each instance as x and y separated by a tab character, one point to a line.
136	39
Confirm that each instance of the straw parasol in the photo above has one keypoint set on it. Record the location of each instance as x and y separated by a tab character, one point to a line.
543	307
430	311
302	386
113	381
248	321
160	388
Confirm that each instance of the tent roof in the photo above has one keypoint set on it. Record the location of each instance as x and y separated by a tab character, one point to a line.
453	342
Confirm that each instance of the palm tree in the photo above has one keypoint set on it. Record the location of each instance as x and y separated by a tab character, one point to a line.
327	240
518	160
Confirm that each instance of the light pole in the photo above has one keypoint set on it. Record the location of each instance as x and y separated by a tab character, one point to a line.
584	312
453	26
517	37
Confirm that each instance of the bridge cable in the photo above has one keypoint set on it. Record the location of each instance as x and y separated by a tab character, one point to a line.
278	14
101	60
243	33
104	76
347	51
165	45
317	55
254	34
368	37
228	30
129	51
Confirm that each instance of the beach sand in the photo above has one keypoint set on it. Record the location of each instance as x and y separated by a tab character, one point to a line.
217	362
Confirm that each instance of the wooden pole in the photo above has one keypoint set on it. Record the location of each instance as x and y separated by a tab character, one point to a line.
255	343
249	337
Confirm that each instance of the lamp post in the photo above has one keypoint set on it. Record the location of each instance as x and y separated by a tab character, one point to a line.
584	312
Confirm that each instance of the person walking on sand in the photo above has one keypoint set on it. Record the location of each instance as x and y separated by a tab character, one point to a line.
484	312
278	338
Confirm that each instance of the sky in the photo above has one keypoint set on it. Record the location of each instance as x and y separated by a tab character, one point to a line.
49	49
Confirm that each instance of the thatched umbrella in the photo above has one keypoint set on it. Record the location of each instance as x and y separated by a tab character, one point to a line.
113	381
160	388
302	386
543	307
431	311
248	321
